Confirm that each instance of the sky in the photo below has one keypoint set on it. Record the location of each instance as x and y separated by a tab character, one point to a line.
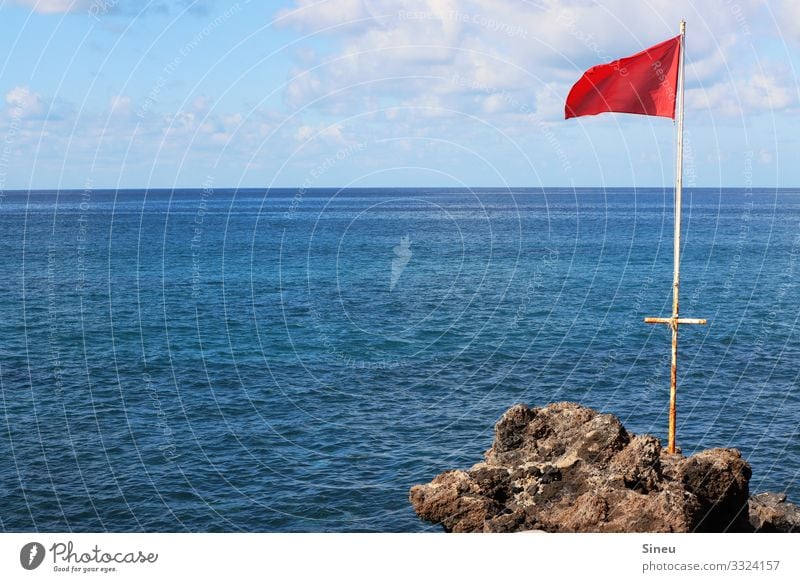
368	93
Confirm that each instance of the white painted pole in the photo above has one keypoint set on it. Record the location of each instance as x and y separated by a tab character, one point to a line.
676	276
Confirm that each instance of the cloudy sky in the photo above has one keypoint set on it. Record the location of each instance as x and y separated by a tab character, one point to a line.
181	93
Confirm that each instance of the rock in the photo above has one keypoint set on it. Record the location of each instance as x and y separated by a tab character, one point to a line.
568	468
455	500
769	512
639	464
719	478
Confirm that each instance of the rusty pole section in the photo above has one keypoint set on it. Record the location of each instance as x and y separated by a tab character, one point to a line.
674	321
673	387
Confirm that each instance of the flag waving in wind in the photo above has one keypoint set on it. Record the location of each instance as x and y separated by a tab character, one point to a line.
648	83
645	83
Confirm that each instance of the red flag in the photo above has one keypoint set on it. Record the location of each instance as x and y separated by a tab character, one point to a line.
645	83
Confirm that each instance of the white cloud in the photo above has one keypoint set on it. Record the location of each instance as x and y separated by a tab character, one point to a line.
766	88
720	98
318	15
99	8
715	65
474	54
201	103
787	14
120	105
328	134
54	6
766	91
483	73
304	133
27	103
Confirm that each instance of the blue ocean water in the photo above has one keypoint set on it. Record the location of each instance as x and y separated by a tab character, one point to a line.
290	360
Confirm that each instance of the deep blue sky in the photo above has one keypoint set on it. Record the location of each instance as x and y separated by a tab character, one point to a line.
123	93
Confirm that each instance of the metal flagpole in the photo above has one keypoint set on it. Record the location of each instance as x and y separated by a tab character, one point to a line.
674	321
676	253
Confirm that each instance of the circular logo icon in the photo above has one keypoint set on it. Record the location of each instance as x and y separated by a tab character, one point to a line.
31	555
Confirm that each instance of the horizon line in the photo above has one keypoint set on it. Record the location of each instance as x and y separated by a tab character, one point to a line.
317	188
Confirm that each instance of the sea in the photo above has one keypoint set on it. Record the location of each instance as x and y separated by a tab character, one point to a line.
294	360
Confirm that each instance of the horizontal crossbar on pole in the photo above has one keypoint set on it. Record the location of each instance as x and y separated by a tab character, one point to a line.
671	319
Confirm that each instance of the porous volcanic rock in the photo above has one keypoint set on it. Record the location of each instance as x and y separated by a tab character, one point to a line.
568	468
770	512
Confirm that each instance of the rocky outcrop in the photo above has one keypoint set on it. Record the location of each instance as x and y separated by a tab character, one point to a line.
568	468
769	512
